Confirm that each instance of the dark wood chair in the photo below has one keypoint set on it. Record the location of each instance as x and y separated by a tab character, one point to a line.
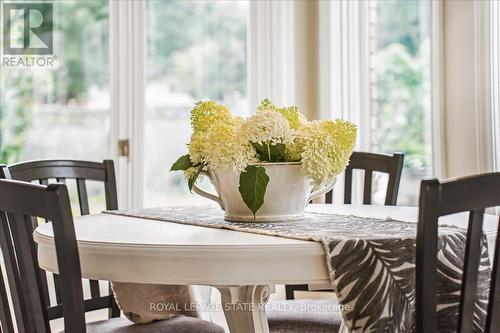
369	162
20	203
470	194
81	171
300	321
6	324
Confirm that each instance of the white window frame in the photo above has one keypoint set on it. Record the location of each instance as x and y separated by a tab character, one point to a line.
127	84
438	138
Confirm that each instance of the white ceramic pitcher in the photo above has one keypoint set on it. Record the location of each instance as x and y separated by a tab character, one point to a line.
288	193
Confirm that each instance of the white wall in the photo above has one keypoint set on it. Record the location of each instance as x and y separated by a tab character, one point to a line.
459	89
307	58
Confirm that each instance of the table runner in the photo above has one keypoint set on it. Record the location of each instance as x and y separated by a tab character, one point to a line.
371	263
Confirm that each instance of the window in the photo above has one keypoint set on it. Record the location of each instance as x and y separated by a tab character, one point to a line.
399	92
61	111
196	50
376	71
64	110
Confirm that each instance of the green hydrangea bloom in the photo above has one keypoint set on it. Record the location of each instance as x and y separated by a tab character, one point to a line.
326	147
206	113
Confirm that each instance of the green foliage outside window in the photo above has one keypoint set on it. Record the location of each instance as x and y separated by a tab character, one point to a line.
403	83
186	35
198	47
22	88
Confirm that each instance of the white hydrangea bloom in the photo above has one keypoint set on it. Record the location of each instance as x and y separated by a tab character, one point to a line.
267	126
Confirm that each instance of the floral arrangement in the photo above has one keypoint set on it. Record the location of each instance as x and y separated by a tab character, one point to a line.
274	134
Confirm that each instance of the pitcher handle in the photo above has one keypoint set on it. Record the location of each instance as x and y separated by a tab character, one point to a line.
321	191
205	194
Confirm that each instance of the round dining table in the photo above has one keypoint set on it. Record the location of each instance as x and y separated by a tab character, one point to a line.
245	267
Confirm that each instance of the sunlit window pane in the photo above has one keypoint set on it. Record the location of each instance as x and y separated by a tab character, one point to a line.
400	88
196	50
62	112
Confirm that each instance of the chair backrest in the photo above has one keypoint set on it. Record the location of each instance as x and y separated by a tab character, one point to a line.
393	165
6	324
370	162
20	204
61	170
470	194
44	171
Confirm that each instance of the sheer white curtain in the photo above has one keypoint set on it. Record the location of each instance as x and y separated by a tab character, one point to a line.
343	74
271	66
283	54
366	60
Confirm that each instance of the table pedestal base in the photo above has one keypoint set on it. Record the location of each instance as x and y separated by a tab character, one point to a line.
244	308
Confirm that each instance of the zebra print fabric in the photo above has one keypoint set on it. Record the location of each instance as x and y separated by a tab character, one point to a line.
371	263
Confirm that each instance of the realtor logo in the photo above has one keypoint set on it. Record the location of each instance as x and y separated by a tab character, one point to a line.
28	28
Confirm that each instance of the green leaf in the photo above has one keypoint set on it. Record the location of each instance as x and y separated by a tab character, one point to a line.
193	179
253	184
183	163
279	152
261	152
271	153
